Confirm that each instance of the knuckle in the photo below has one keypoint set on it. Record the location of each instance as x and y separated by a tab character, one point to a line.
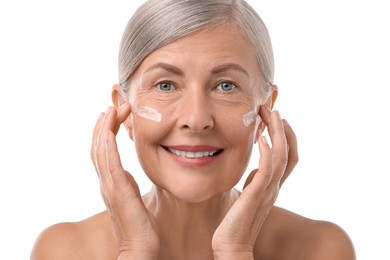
114	168
106	192
275	190
267	173
295	158
282	160
293	155
92	154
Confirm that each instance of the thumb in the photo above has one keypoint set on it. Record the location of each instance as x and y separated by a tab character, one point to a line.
250	177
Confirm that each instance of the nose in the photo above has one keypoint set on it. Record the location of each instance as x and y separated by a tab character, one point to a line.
195	112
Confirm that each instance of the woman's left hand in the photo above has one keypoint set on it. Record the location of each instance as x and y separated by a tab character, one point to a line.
237	233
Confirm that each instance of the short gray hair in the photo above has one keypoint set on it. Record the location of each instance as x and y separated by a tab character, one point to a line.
159	22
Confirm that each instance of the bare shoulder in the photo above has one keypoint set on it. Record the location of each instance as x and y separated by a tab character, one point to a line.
331	242
87	239
291	236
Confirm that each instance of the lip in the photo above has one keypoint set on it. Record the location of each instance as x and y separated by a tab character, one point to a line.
194	162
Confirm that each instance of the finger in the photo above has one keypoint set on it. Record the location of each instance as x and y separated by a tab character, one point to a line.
95	135
260	179
101	148
279	146
123	113
112	174
113	162
292	150
115	169
116	117
250	177
265	114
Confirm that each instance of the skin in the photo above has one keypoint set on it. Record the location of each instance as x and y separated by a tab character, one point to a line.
193	210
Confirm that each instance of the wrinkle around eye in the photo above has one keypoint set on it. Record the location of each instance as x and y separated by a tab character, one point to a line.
152	94
224	104
233	99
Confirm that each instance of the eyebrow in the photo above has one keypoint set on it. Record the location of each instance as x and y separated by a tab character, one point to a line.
167	67
216	70
229	66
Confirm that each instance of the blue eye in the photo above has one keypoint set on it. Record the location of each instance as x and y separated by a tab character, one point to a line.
165	86
226	86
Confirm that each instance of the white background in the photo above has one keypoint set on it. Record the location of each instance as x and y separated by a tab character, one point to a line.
58	62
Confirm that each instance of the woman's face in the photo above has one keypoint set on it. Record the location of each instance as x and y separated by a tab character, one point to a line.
191	103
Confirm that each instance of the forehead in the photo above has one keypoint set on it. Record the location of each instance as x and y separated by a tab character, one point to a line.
222	37
208	47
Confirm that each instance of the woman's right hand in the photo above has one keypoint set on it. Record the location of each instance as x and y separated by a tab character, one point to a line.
134	225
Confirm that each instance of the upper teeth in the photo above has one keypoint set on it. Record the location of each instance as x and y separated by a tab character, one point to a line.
191	154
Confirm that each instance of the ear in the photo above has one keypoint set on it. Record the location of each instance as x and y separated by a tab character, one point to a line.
269	103
118	99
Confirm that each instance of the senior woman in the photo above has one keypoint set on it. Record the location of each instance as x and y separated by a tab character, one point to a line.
196	93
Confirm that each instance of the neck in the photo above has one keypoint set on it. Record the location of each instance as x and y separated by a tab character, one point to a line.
186	226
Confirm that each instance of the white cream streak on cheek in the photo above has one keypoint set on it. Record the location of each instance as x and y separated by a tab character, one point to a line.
249	118
149	113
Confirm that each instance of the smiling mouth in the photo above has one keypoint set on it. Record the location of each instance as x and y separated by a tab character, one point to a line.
193	155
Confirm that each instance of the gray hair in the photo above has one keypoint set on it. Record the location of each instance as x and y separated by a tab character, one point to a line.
159	22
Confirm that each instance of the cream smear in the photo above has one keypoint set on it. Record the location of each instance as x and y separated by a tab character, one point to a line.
250	117
149	113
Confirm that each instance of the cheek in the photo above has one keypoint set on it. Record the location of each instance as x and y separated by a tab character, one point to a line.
147	137
237	120
149	113
147	130
238	131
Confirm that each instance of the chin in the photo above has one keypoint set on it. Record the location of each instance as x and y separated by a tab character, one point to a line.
197	193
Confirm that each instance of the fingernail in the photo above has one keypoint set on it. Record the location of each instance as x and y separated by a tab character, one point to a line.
264	139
